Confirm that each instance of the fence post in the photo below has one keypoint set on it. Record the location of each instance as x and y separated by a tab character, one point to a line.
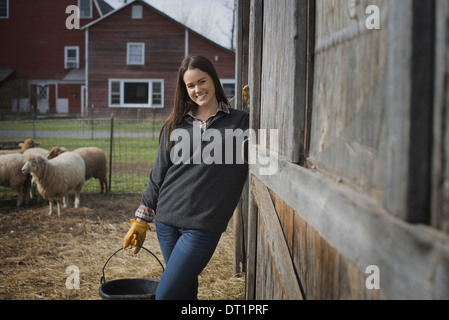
92	124
111	139
33	116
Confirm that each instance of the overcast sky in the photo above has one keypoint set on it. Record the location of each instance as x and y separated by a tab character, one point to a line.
211	18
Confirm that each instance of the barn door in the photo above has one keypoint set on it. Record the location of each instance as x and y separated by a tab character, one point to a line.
43	98
356	198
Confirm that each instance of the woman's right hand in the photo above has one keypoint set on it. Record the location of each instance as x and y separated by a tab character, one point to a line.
136	234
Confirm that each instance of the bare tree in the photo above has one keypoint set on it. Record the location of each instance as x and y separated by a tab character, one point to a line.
231	5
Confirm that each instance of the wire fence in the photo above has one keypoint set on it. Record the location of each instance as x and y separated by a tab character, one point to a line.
130	145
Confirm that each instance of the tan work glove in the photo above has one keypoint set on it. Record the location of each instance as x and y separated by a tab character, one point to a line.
245	93
136	235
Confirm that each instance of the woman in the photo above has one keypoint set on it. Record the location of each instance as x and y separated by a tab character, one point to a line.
192	200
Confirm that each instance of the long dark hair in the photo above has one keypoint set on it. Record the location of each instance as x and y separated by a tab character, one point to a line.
182	103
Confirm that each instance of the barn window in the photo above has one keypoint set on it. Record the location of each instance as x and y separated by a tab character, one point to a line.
114	89
136	93
137	12
135	53
85	7
157	93
71	57
4	6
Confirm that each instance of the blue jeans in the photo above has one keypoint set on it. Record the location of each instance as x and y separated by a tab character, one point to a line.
186	253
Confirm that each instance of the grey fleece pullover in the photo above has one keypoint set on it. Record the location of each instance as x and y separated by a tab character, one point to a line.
199	195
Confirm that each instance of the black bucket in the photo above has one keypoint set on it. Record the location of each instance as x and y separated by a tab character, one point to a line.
128	289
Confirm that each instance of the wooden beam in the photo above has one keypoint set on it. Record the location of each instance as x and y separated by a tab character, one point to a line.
241	72
251	271
274	238
254	81
440	165
255	61
298	138
409	109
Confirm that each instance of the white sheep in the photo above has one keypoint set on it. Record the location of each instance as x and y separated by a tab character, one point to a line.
95	161
56	177
35	152
11	176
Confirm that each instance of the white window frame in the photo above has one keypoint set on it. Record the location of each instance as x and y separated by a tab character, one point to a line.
66	57
122	103
90	10
7	11
142	48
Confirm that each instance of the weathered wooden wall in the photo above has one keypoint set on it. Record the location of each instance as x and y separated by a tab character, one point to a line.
362	149
348	129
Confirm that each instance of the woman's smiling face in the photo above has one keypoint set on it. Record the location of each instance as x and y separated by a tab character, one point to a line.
200	87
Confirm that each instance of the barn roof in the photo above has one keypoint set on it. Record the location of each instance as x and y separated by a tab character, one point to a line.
106	16
5	73
75	76
103	7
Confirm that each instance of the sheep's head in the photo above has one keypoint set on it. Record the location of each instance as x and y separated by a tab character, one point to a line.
55	151
33	165
28	144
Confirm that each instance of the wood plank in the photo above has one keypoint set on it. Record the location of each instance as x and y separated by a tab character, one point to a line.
278	76
255	58
410	87
285	215
347	125
251	258
275	240
298	137
240	226
254	74
413	259
440	165
241	71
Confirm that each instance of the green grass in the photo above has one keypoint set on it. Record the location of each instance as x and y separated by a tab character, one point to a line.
132	157
83	125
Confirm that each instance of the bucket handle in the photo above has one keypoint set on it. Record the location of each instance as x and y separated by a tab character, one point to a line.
103	279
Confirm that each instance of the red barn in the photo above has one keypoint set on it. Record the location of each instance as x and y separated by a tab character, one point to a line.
134	54
42	60
116	59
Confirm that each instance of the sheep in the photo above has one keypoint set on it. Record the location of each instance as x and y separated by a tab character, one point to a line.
56	177
26	145
95	161
33	152
55	151
11	176
36	152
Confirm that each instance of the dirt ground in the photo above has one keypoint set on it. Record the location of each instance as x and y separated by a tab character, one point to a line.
40	254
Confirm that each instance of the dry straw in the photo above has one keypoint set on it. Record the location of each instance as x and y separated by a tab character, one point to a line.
36	249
